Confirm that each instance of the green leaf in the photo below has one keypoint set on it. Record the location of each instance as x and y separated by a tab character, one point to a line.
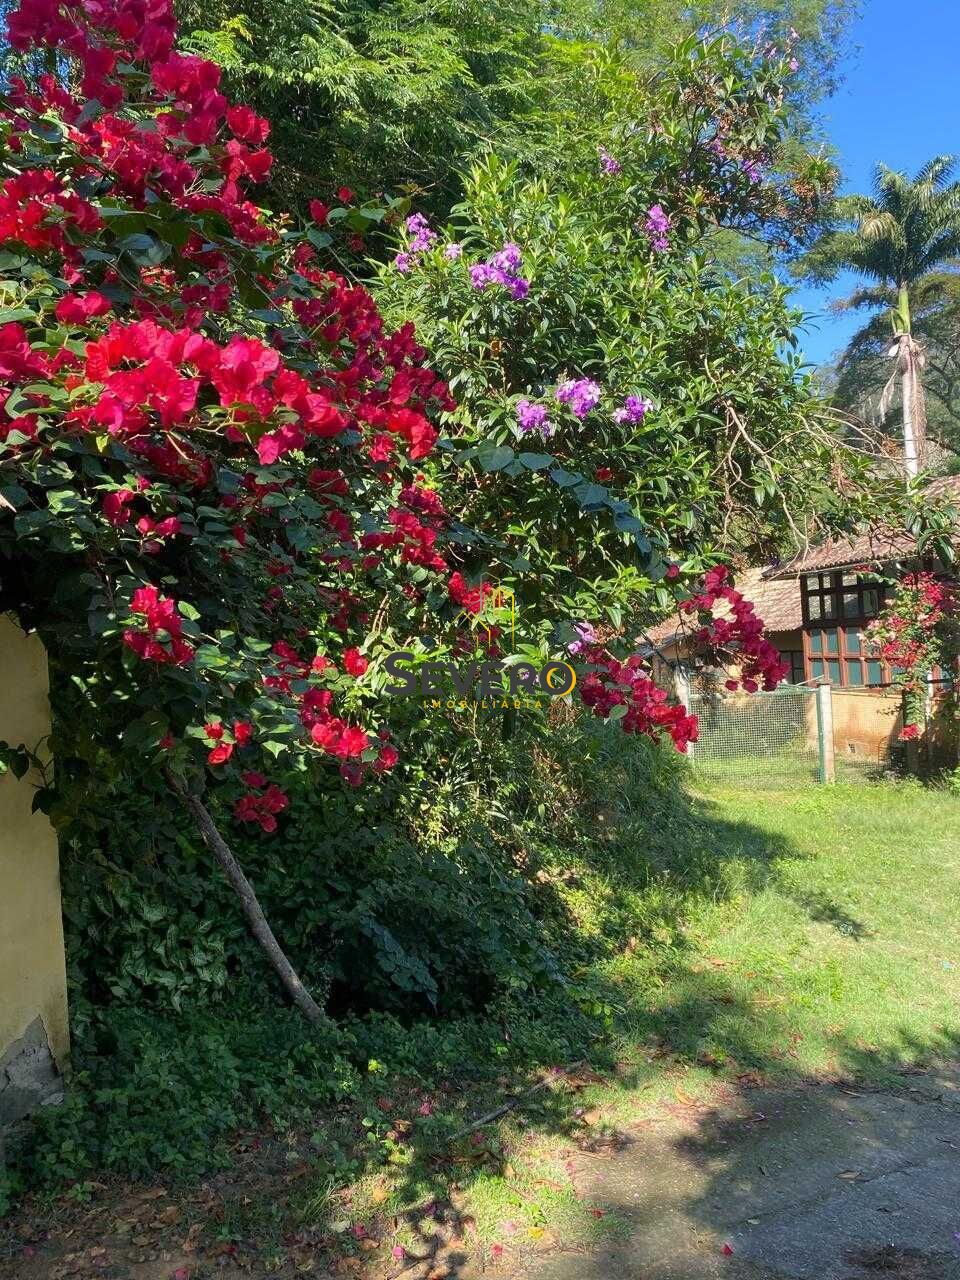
591	496
565	479
496	459
628	523
144	249
536	461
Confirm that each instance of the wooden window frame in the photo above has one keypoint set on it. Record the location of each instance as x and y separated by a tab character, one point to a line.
797	660
837	587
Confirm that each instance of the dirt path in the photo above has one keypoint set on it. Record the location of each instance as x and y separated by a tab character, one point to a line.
821	1183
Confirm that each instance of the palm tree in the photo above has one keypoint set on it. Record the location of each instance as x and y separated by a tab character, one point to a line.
904	240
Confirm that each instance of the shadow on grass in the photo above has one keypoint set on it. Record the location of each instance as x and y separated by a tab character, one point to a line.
811	1177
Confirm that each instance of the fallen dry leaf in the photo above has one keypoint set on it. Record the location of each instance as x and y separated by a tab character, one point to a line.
189	1242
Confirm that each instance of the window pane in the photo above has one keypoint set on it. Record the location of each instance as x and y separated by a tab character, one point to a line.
850	579
874	673
816	668
816	642
826	581
852	635
871	602
851	604
815	608
833	670
796	668
833	641
812	582
830	606
854	672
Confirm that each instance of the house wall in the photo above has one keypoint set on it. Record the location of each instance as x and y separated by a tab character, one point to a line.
34	1037
866	723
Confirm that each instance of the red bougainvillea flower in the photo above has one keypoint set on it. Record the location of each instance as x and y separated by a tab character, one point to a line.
736	639
261	808
220	753
469	598
354	663
160	639
115	506
80	308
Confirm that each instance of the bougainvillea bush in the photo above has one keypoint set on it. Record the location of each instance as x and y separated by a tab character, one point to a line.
917	633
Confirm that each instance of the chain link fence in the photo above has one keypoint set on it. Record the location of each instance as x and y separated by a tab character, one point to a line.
766	740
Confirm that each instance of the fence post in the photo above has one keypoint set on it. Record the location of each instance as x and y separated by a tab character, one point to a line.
828	770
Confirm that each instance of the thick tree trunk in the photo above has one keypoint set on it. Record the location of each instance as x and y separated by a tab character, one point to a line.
910	393
911	454
259	926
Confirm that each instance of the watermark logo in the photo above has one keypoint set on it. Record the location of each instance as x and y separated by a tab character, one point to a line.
477	680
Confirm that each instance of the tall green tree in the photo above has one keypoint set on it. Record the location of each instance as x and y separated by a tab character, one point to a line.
408	93
902	241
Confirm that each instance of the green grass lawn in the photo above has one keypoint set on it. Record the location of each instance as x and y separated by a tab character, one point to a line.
803	934
819	937
831	945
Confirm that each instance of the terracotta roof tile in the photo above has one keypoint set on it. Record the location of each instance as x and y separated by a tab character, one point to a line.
872	547
776	600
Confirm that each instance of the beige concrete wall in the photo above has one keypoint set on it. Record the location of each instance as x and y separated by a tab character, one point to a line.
866	723
33	999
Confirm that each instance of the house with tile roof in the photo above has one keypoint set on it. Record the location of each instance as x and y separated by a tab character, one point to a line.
817	605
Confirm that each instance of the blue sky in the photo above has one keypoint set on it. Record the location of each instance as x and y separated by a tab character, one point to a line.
899	103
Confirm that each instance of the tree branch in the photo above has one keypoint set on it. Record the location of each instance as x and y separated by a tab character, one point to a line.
259	925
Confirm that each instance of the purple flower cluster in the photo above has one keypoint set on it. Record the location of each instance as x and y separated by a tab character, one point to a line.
579	394
608	163
423	239
657	227
453	251
533	417
632	409
503	268
753	169
585	635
